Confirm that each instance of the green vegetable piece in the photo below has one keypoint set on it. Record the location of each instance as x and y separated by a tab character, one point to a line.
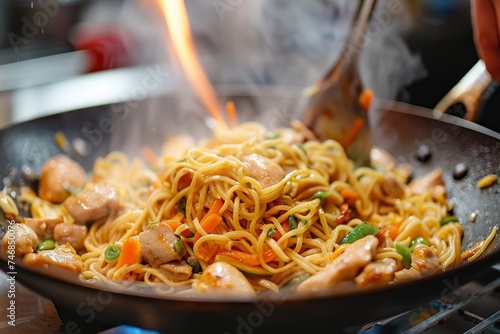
448	219
111	253
360	231
152	223
292	222
417	241
46	244
321	195
405	253
195	264
178	246
271	233
275	135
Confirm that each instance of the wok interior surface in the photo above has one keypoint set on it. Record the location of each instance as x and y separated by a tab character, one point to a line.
399	128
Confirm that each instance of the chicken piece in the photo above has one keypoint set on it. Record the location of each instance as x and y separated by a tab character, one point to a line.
63	256
96	201
263	169
72	234
176	270
378	272
157	245
343	268
43	227
392	187
58	176
223	279
424	262
425	183
25	239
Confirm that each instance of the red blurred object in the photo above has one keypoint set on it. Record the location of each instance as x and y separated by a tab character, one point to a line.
108	48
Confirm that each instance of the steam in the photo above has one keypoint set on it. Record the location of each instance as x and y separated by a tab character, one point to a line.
282	43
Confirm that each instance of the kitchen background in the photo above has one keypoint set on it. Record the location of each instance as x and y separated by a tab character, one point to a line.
58	55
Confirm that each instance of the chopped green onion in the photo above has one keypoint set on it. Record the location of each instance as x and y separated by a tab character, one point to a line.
178	246
111	253
271	233
292	222
321	195
193	262
417	241
46	244
448	219
152	223
275	135
405	253
360	231
182	160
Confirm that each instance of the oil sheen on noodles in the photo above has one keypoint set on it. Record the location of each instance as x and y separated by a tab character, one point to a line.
286	202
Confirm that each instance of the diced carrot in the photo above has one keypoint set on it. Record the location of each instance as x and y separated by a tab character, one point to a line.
365	99
247	258
349	193
215	207
393	232
130	253
208	223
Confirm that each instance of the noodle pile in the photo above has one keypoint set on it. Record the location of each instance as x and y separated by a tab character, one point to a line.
284	213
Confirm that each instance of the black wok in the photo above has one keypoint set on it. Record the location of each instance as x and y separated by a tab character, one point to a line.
397	127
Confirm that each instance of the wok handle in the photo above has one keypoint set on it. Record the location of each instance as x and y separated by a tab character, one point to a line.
463	99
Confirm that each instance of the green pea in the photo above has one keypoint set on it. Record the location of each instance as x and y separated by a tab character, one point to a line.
111	253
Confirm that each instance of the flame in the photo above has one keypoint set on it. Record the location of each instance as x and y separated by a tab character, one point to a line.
177	20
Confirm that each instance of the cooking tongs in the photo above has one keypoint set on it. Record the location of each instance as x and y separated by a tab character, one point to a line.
335	109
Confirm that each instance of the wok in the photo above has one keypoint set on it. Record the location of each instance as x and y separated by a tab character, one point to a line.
397	127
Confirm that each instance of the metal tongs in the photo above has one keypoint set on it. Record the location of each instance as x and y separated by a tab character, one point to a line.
334	110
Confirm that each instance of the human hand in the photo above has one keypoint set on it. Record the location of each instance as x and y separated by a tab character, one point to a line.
486	26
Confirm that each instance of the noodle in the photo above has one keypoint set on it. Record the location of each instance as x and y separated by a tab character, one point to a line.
286	207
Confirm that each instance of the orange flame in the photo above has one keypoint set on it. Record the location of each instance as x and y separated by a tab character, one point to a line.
176	17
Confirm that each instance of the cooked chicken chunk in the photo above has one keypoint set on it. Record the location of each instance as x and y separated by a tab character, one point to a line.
381	271
424	183
263	169
343	268
424	262
96	201
63	256
176	270
223	279
157	245
25	239
43	227
392	187
59	175
72	234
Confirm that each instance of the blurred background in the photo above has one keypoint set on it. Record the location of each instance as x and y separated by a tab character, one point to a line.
58	55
